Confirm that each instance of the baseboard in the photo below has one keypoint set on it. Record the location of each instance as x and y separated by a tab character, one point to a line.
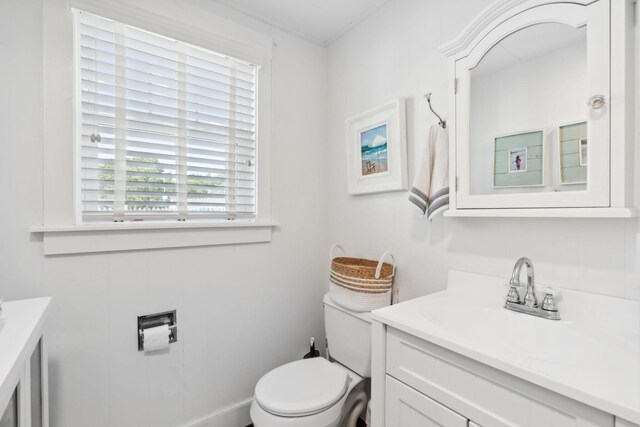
236	415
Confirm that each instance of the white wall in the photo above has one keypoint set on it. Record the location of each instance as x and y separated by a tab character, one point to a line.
242	310
395	53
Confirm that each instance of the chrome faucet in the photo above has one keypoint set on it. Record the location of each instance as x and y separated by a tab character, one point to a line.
530	299
529	304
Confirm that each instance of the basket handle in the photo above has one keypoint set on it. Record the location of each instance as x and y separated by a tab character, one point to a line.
393	264
344	252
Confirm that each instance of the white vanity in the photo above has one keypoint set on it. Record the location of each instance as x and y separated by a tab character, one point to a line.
458	358
23	364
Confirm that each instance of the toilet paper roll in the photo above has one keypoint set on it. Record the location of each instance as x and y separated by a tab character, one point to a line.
156	338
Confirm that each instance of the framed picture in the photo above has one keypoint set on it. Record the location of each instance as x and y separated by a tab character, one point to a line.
377	150
583	152
573	148
519	160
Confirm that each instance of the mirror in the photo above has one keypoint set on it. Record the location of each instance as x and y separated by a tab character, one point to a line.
528	113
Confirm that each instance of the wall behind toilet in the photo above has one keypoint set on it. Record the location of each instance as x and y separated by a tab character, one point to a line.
242	310
394	53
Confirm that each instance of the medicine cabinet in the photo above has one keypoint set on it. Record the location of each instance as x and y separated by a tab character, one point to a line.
542	110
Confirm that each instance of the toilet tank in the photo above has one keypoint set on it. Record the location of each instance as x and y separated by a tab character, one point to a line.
349	336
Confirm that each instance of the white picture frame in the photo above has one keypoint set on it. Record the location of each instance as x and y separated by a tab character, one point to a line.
525	170
376	145
561	180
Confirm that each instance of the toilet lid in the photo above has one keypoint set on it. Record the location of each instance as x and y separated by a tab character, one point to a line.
303	387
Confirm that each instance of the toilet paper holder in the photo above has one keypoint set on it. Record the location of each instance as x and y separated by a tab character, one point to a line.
157	319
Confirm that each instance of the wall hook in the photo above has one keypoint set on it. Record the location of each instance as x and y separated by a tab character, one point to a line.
441	122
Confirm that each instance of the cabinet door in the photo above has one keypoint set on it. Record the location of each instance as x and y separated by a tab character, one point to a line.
525	136
488	396
406	407
10	415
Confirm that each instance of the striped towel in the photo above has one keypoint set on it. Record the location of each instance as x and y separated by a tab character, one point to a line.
430	189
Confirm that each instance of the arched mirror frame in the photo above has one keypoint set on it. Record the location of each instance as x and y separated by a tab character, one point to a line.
609	39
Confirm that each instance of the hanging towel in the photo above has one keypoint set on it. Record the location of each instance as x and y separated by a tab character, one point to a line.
430	189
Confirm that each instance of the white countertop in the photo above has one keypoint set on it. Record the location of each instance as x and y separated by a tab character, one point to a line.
21	324
592	355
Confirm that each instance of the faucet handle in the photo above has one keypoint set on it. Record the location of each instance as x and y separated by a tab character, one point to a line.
549	302
513	295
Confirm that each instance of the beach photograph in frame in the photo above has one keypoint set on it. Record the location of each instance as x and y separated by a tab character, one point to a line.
377	150
374	150
519	160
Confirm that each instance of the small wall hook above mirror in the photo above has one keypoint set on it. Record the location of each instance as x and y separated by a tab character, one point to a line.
441	122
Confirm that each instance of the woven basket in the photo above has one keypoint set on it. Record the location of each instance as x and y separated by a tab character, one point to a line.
356	301
361	284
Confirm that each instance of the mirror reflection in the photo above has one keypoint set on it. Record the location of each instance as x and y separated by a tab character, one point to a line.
528	113
572	144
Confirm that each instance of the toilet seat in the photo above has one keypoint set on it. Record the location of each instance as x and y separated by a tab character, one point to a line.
301	388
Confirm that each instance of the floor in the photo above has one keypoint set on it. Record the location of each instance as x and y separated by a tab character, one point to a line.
360	423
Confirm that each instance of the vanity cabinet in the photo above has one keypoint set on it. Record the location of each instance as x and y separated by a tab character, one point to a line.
458	357
407	407
542	110
432	384
418	383
23	364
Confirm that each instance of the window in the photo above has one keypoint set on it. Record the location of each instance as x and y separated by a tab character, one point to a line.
166	130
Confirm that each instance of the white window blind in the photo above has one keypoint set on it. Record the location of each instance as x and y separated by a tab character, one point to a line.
166	129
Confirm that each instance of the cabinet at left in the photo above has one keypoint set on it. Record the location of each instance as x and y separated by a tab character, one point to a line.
23	364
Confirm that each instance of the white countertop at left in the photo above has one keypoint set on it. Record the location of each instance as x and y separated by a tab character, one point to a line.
21	326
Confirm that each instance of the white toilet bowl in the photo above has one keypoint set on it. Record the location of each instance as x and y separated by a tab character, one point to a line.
307	393
315	392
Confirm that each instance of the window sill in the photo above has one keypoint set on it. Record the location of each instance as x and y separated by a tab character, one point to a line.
111	237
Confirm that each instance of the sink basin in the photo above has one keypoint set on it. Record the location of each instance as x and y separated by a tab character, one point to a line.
526	338
592	354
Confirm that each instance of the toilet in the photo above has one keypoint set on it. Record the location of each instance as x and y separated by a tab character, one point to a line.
316	392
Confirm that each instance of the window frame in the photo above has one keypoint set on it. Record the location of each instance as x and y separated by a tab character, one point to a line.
177	31
61	231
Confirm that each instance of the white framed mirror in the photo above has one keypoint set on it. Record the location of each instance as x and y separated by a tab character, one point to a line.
532	108
534	71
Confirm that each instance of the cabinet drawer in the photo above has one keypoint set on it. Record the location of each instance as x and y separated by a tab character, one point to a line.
482	393
407	407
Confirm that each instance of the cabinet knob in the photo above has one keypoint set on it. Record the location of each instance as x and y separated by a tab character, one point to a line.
596	102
